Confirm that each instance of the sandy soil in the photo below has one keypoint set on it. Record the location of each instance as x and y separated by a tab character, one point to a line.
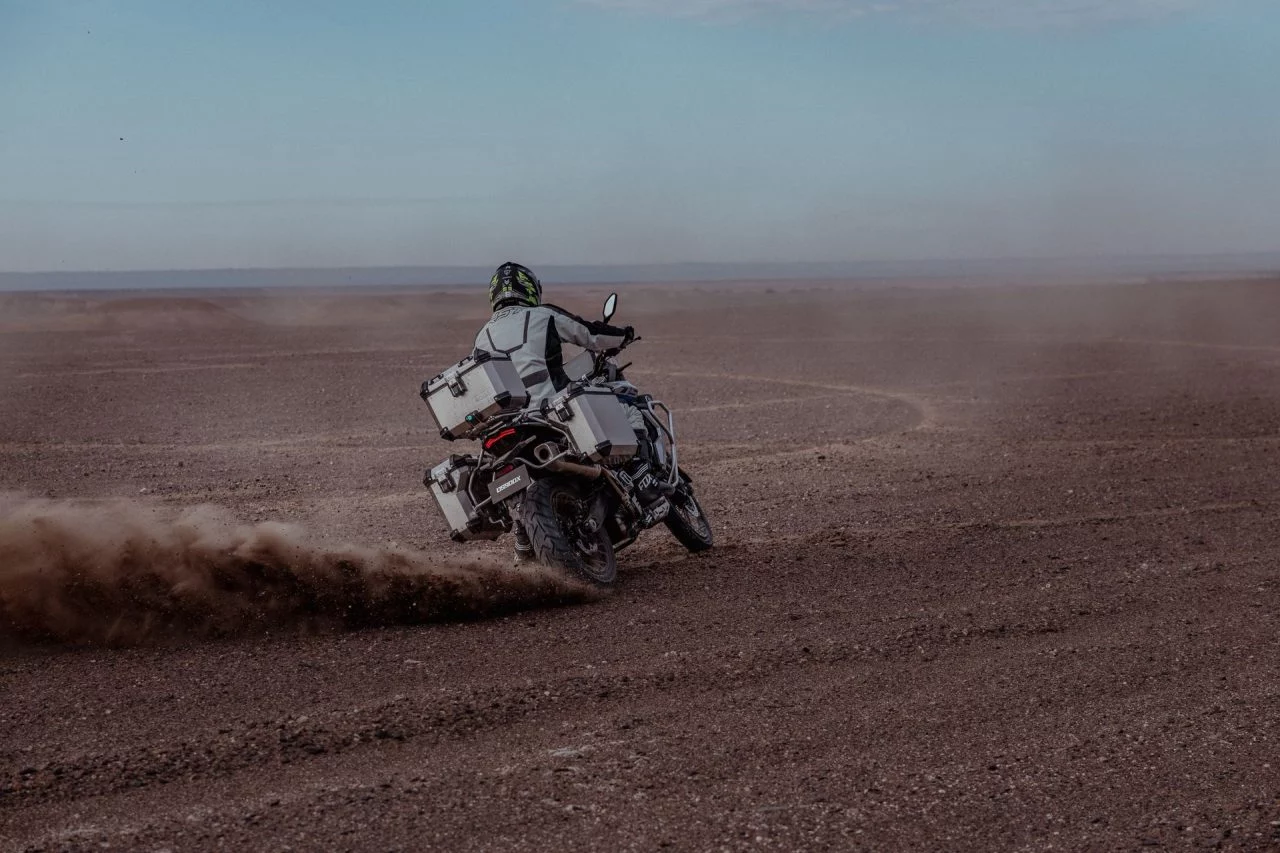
997	569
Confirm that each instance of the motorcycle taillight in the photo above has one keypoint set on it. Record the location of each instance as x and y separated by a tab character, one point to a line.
493	441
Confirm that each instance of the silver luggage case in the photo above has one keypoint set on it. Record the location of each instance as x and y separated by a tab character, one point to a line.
448	483
597	423
471	392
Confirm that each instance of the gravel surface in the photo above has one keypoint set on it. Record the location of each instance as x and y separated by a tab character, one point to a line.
996	569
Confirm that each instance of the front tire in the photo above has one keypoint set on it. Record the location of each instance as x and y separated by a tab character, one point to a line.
553	513
686	520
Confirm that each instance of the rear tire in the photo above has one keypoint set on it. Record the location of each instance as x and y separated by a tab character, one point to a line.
552	512
686	520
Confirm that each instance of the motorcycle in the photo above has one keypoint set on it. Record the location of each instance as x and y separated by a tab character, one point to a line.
572	470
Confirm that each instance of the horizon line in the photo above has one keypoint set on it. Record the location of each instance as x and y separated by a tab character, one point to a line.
743	265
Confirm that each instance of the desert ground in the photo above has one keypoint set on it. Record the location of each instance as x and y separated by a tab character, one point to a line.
996	569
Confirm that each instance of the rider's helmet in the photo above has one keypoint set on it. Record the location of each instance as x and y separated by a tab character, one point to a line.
513	284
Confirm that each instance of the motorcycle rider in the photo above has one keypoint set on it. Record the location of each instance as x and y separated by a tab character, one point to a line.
531	333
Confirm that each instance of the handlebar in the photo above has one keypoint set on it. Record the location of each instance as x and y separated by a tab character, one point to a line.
613	351
603	356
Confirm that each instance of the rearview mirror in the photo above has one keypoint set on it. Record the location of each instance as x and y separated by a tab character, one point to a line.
610	307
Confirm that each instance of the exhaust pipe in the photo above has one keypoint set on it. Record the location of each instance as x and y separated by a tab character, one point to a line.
547	451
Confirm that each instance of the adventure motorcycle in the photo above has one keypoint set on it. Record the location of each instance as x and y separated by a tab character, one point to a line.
570	470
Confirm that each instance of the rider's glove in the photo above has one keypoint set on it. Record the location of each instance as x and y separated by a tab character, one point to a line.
628	335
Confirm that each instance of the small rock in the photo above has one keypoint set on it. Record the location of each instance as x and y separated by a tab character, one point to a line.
570	752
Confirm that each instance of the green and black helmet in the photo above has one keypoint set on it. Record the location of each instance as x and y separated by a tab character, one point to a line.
513	284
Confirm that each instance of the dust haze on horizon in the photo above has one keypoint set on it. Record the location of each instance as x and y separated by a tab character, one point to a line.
145	135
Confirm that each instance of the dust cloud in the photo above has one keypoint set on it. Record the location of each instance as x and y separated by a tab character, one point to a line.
122	573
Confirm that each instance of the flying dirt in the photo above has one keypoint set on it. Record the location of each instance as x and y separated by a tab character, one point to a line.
118	572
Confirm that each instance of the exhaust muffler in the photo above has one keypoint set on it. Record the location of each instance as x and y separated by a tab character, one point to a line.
548	451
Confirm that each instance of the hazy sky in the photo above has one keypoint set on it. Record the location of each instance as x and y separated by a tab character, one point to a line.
165	133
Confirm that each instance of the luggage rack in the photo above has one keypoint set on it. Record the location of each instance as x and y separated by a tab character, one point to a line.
504	420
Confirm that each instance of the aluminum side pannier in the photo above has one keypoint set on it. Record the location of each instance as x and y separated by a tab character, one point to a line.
471	392
597	423
449	483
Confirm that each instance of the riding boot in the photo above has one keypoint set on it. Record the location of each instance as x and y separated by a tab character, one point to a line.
649	476
649	488
524	547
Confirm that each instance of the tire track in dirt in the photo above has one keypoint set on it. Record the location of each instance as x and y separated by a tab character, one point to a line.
1144	441
926	415
312	442
1034	522
749	404
841	532
979	381
138	370
307	747
1008	339
248	744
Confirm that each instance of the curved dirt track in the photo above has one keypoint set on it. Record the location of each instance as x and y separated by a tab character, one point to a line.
997	569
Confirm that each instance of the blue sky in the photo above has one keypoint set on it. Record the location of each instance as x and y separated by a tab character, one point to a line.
166	133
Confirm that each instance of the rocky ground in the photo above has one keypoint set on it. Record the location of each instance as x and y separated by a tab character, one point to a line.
996	569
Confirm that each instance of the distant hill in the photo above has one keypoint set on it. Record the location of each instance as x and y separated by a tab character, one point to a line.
440	276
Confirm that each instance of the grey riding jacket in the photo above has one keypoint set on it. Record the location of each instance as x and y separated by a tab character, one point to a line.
531	338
